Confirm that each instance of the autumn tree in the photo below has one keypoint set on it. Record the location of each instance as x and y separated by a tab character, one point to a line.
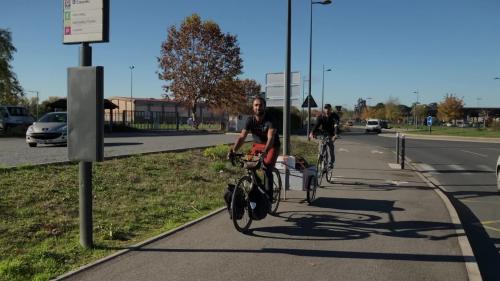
236	95
450	108
195	59
11	91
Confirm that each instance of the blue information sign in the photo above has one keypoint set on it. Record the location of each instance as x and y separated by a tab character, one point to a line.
429	120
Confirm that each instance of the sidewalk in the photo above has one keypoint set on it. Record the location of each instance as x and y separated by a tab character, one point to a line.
374	223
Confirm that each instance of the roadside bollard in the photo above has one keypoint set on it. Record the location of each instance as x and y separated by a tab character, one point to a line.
397	148
403	148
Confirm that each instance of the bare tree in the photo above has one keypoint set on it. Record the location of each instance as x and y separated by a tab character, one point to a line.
195	59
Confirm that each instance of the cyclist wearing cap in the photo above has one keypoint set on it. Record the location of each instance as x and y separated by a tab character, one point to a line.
266	139
327	122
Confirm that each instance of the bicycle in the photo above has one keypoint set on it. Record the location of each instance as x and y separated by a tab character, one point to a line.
245	185
323	167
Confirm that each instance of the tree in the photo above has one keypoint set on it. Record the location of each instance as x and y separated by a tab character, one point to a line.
11	91
450	108
392	111
236	95
195	59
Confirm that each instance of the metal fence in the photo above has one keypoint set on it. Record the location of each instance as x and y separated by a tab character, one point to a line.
150	120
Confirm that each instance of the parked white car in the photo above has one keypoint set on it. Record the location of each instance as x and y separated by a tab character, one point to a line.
52	128
373	125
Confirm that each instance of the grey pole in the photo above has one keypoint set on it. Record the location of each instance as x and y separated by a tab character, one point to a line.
323	88
397	148
288	74
403	152
37	102
310	74
85	172
131	68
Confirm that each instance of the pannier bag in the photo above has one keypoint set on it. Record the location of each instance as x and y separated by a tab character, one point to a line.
239	201
259	203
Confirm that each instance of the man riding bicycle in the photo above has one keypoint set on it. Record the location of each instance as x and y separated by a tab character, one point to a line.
327	121
266	139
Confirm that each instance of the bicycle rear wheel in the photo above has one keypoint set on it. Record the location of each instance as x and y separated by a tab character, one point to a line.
311	189
276	191
240	206
320	170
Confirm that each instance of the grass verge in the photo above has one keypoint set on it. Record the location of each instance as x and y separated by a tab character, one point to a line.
462	132
134	199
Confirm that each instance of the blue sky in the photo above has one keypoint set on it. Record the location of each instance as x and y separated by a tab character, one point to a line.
377	48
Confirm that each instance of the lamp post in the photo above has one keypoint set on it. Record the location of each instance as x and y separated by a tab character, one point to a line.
324	2
37	101
415	111
323	85
131	68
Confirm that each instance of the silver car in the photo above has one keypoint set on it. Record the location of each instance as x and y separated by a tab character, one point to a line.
52	128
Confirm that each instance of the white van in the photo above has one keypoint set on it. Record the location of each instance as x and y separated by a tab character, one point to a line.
15	116
373	125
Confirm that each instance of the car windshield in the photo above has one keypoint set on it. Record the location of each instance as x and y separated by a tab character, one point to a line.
54	118
372	123
17	111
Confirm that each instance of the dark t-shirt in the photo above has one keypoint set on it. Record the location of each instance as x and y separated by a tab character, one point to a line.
327	124
259	129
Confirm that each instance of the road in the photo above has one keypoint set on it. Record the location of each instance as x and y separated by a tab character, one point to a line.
15	151
466	171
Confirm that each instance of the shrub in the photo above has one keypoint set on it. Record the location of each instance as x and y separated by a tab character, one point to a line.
218	152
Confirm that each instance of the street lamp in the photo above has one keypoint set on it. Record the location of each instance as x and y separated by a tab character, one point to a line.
131	68
37	101
415	111
324	2
323	85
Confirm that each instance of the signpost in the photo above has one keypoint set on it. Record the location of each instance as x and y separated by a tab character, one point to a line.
429	123
85	22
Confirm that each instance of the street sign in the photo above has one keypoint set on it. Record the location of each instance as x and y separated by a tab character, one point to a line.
306	101
429	120
275	89
85	21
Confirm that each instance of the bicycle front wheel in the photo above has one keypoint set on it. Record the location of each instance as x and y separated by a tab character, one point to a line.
320	170
311	189
329	175
276	191
240	206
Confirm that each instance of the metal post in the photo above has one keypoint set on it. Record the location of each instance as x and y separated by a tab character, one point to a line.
85	211
286	108
397	148
37	102
323	88
310	74
131	79
403	148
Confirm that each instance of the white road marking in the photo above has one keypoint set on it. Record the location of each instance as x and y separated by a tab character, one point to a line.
343	150
395	166
422	167
459	168
478	154
376	151
485	168
398	183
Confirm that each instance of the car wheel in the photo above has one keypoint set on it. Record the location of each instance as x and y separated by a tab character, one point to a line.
32	144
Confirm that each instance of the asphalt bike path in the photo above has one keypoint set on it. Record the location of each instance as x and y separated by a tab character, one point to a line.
373	223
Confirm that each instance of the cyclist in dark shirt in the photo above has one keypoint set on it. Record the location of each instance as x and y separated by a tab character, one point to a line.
266	139
327	122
